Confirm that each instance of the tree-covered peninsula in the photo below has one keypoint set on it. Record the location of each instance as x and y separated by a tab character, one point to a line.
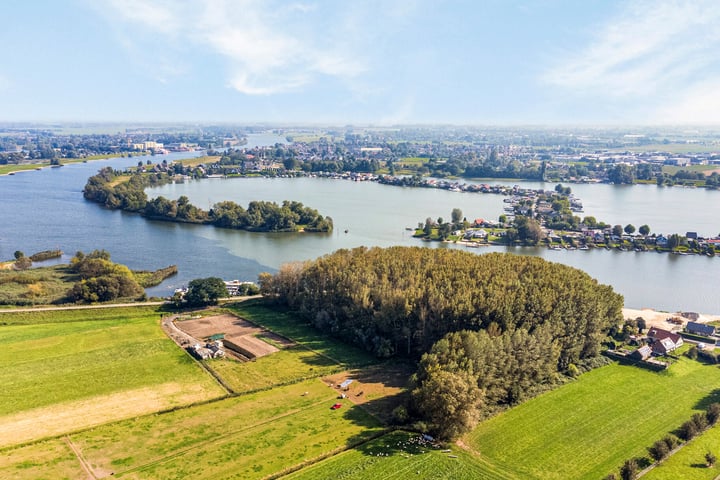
487	330
127	192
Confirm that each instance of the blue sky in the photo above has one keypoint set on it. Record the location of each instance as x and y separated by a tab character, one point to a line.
483	62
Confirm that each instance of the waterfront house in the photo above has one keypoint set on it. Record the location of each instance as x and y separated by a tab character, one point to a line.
700	329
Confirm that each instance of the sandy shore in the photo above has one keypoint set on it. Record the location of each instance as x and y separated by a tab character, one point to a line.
659	319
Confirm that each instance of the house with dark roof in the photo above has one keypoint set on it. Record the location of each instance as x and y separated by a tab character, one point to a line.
663	346
663	341
700	329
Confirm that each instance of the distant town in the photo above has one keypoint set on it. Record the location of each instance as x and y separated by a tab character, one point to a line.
664	157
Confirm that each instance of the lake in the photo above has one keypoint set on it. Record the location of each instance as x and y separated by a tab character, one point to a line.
45	209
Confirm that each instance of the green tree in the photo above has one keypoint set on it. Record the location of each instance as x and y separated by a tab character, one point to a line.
644	230
18	254
529	230
629	470
205	291
710	459
659	450
617	230
590	222
450	402
629	229
456	216
675	241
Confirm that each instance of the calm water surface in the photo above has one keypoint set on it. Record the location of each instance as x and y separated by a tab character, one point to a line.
45	209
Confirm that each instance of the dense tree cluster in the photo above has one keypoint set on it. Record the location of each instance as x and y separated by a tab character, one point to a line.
101	279
259	216
402	300
496	327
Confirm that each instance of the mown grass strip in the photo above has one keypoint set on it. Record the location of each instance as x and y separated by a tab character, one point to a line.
588	428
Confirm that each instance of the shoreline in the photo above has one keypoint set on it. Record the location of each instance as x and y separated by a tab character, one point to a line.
659	319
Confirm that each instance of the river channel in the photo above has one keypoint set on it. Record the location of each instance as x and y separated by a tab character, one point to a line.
45	209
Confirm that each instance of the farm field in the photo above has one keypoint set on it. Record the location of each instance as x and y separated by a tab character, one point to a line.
397	456
282	323
250	436
588	428
279	368
689	462
91	367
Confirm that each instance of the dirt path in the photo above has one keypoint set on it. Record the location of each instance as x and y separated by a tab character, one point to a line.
81	307
80	458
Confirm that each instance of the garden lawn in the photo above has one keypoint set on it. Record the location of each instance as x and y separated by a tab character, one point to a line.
286	366
245	437
588	428
398	456
96	369
689	462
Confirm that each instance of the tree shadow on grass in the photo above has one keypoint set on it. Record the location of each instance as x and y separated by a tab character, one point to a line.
707	400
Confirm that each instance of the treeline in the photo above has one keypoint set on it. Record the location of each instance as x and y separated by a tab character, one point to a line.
630	174
497	327
263	216
401	300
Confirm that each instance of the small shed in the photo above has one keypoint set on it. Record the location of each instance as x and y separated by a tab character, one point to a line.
642	353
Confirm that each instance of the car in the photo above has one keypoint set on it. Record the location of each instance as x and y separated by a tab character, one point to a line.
336	406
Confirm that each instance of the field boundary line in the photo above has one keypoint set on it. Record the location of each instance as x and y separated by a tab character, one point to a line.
332	453
215	439
83	463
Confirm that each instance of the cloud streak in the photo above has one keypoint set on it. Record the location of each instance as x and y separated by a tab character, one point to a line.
265	45
651	52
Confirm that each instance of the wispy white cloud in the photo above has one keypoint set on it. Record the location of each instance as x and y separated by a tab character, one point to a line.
661	55
268	47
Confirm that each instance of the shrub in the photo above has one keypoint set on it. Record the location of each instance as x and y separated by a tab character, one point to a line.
659	450
713	413
629	470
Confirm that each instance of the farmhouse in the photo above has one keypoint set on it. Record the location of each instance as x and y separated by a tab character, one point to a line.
663	341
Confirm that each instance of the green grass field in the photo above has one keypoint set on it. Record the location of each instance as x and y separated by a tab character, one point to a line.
287	325
688	463
588	428
249	436
398	456
89	355
288	365
671	170
48	460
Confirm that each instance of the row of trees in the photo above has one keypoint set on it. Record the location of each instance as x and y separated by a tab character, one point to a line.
130	195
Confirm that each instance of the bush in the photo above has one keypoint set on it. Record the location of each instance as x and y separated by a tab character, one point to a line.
629	470
713	413
659	450
688	430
